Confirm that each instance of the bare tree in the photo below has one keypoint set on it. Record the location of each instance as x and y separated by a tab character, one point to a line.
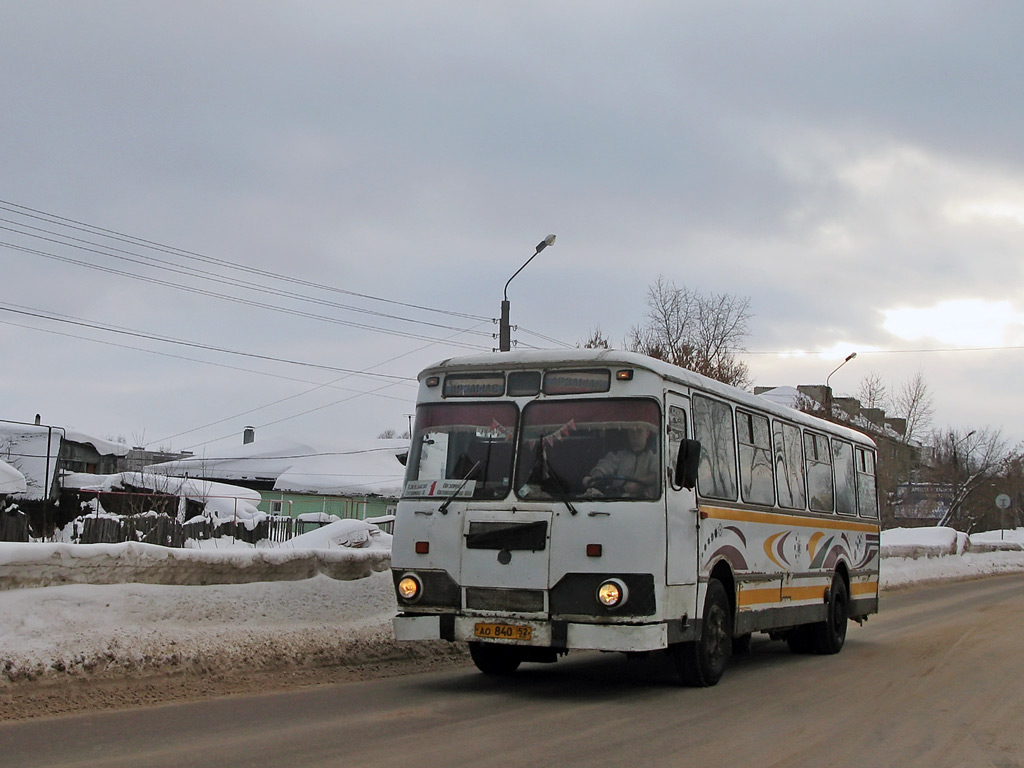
967	462
702	332
914	402
596	340
872	392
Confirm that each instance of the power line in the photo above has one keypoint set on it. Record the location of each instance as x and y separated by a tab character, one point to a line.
293	416
292	397
150	261
54	219
239	300
896	351
181	342
331	384
153	262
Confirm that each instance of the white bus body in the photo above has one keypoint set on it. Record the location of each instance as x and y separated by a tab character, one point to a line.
514	533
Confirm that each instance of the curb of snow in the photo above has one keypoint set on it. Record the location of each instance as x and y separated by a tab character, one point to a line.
44	565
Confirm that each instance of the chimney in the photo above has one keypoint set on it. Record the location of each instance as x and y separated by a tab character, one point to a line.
248	435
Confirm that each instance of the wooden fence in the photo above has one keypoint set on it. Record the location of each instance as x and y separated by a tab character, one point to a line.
13	526
167	531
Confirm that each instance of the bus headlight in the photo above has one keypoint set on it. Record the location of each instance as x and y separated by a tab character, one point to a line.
410	589
612	593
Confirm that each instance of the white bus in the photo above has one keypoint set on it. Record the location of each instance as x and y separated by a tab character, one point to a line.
598	499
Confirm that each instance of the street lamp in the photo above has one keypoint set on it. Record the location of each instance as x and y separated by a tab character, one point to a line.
849	357
505	330
828	389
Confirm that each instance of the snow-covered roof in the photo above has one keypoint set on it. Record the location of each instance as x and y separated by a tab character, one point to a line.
220	501
360	472
263	460
198	490
11	480
787	396
103	447
364	469
32	450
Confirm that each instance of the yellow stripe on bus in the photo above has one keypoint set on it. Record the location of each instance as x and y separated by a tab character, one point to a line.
866	588
779	518
771	595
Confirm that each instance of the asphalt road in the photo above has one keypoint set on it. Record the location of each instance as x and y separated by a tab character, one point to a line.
936	679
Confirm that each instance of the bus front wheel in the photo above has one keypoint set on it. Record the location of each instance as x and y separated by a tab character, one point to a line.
701	663
494	659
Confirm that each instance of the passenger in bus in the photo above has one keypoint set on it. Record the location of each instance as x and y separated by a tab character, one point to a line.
632	471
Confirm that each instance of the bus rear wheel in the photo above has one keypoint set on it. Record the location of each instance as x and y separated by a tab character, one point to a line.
829	636
494	659
701	663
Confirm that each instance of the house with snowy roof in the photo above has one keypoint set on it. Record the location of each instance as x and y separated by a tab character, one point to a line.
355	480
43	454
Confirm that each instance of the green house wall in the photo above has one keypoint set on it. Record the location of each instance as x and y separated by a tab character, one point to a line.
295	504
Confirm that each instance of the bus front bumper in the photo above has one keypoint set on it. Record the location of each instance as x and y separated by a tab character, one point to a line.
560	635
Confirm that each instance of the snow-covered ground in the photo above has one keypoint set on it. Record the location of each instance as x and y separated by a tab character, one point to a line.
286	615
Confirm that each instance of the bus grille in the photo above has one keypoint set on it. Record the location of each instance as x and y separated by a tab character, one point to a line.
511	600
501	535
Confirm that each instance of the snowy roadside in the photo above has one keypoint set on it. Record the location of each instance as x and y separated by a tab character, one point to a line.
117	610
135	629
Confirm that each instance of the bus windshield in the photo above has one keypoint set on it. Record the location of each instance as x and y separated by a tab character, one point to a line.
467	444
589	449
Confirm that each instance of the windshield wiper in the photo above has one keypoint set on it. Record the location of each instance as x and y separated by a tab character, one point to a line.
443	509
546	473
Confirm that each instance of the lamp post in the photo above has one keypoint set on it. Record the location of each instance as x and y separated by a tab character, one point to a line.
828	389
505	329
849	357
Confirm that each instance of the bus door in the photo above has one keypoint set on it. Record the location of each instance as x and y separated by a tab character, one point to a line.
680	503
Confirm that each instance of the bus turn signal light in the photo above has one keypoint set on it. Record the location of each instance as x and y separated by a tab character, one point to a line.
422	547
594	550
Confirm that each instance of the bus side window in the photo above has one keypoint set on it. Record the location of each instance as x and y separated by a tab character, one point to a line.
789	465
846	482
819	473
757	485
867	499
676	434
713	428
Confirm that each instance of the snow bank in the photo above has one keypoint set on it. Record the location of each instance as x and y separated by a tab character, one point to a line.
917	555
344	550
115	630
936	541
922	542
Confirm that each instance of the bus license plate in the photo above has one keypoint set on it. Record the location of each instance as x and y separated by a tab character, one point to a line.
503	632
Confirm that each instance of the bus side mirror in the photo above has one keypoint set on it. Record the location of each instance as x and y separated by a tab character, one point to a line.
686	464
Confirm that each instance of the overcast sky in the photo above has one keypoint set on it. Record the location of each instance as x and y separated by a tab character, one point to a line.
349	185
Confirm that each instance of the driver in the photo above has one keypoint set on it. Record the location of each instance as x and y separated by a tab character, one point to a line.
636	466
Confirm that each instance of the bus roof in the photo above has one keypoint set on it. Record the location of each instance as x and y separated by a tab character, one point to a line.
533	359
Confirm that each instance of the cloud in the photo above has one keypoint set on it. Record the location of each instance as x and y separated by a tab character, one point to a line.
959	322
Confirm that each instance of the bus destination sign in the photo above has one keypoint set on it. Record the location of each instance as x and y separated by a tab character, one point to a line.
576	382
474	385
